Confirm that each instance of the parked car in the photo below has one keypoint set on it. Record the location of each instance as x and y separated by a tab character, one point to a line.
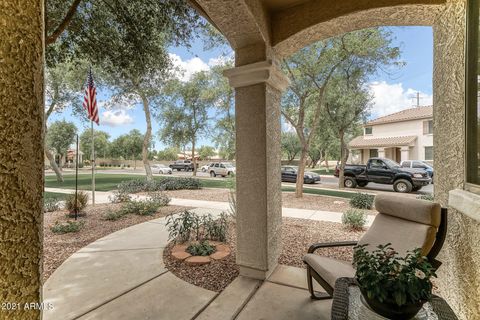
385	171
205	167
161	169
185	165
221	168
418	164
289	174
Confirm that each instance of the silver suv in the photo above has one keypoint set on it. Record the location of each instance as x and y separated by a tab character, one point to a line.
221	168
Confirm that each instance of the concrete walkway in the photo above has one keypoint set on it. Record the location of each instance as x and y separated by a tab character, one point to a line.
122	276
318	215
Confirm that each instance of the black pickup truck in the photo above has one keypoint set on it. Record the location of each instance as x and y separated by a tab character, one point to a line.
384	171
185	165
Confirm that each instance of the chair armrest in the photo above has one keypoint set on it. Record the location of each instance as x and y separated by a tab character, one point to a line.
316	246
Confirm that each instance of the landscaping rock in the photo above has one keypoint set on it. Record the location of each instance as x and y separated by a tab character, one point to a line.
180	255
179	248
219	255
197	260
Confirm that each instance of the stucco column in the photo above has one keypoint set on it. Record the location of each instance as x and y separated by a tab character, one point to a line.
21	154
258	88
381	152
405	153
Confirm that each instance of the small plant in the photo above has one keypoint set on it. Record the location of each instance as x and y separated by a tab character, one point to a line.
146	207
188	226
50	204
202	248
82	201
385	277
428	197
67	227
114	215
166	183
354	219
119	196
362	200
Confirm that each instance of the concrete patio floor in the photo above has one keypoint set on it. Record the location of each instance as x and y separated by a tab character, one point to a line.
122	276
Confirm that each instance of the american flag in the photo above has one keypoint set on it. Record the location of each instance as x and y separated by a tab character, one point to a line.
90	99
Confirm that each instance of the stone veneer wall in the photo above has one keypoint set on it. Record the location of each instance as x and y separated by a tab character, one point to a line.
21	154
459	275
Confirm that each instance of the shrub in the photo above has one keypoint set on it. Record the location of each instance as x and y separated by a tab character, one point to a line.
166	183
119	196
114	215
50	204
428	197
362	200
354	219
68	227
188	226
82	201
146	207
202	248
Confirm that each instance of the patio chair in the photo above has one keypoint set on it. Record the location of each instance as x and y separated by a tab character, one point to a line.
405	223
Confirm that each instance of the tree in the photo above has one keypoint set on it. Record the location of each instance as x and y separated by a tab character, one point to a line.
206	152
185	114
224	132
101	143
60	136
129	39
312	68
347	104
168	154
128	146
290	145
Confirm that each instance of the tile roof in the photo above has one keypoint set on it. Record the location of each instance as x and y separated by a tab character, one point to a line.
362	142
404	115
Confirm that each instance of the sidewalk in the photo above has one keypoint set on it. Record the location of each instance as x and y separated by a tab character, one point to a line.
318	215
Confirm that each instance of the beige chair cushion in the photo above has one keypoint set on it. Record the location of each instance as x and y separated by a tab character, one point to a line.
403	234
329	269
420	211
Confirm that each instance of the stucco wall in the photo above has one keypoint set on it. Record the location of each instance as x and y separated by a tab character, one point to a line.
459	275
21	154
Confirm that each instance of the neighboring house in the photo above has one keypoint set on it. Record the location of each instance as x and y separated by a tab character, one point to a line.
399	136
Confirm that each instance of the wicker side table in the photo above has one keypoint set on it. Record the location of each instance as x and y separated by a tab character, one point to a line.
341	302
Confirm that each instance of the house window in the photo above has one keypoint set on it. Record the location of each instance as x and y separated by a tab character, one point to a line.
373	153
368	130
472	105
428	127
428	153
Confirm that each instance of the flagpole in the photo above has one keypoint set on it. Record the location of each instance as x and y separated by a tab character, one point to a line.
93	165
76	181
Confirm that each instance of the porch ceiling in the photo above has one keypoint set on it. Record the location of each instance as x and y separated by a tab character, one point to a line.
289	25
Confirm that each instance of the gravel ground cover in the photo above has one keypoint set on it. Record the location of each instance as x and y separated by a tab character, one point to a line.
311	202
58	247
297	236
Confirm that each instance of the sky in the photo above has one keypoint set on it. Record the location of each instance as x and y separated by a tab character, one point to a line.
391	92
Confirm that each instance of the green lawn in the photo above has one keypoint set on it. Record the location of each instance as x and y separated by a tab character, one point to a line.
59	196
108	182
323	171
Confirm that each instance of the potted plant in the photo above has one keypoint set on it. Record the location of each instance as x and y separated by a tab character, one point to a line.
393	286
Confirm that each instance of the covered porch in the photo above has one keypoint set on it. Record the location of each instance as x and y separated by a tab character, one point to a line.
261	33
395	148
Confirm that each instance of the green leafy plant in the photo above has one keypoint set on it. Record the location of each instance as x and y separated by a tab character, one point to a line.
146	207
362	200
201	248
165	183
51	204
119	196
114	215
386	277
67	227
188	226
428	197
82	202
354	219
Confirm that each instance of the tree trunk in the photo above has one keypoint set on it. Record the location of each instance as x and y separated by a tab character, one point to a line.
301	172
147	138
194	160
53	164
327	168
343	160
